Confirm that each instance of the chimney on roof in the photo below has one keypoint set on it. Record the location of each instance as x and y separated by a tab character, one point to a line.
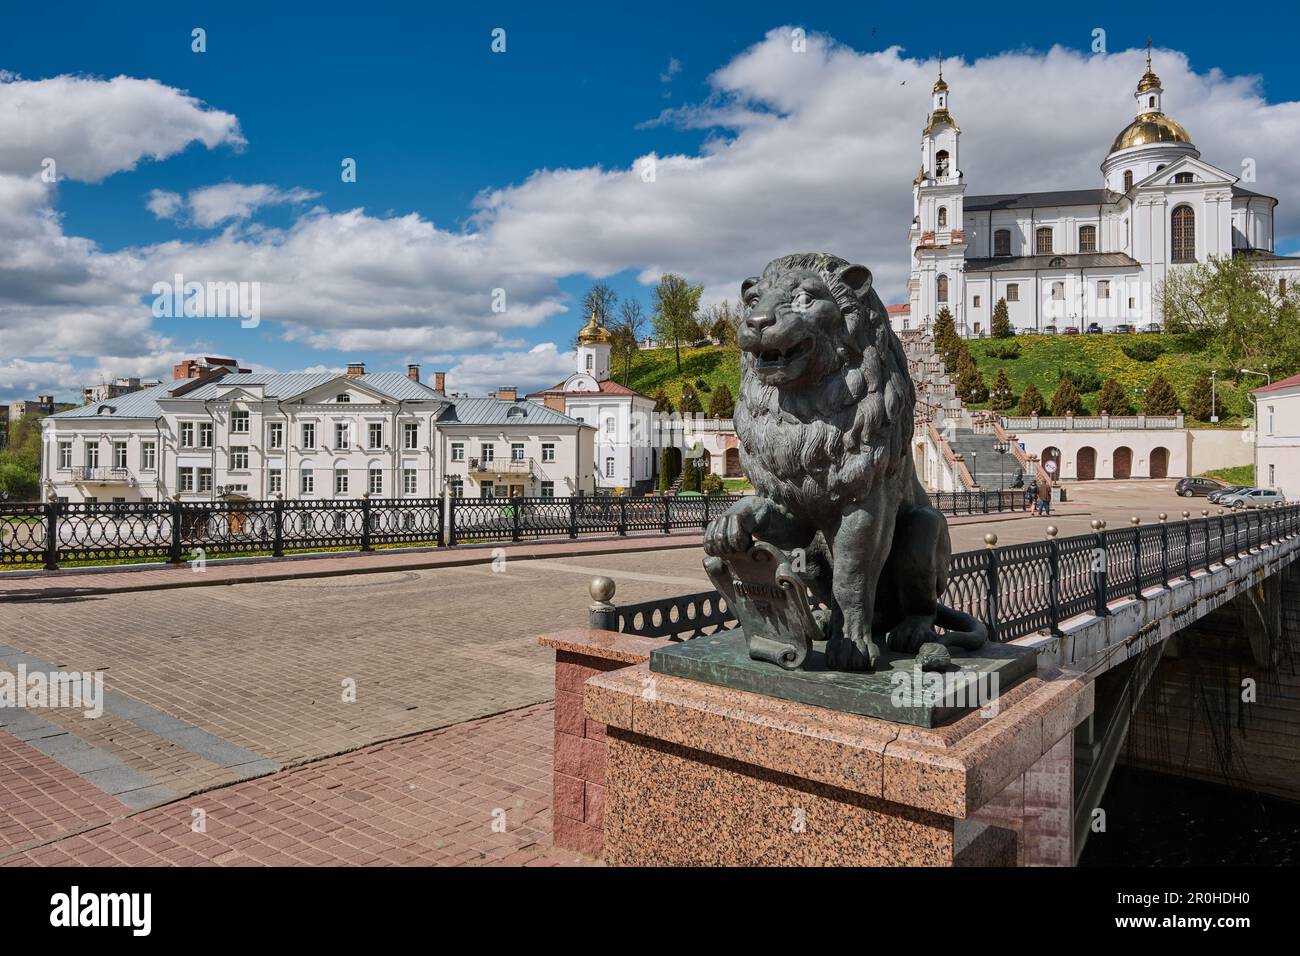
356	369
413	372
440	383
507	393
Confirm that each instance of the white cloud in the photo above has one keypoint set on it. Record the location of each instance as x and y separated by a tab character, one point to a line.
164	204
539	367
227	202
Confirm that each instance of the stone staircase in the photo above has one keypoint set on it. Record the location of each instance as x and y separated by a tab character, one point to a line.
989	469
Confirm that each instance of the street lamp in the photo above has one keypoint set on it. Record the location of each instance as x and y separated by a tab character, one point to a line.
975	466
1001	447
1214	412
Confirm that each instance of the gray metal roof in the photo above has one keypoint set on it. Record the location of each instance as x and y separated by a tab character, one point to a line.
492	411
1057	197
1085	260
1241	191
141	404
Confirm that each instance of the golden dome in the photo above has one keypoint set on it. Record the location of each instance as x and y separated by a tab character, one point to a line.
940	86
1150	128
593	333
1149	81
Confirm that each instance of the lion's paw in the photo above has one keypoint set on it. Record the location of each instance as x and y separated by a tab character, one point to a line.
845	654
910	633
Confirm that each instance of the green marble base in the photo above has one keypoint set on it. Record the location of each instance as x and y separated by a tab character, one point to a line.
897	691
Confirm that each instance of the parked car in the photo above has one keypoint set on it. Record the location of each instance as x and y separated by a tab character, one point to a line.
1070	330
1198	487
1049	330
1252	498
1214	496
1151	327
1123	329
1094	328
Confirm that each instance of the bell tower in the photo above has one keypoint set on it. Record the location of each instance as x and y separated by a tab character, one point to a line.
594	346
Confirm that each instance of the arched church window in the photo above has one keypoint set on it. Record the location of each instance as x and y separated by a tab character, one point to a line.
1043	240
943	217
1182	234
1058	290
1184	178
1002	242
1087	238
590	361
941	163
1128	180
1058	262
1151	102
941	287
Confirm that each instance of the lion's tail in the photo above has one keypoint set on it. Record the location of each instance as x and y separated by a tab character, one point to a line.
960	629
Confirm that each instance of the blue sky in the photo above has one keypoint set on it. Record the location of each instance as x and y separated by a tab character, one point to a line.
434	118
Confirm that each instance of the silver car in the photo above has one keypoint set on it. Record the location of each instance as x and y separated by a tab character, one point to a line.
1252	498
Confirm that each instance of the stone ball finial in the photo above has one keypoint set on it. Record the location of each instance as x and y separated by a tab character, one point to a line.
1205	513
1051	531
991	539
1096	524
1186	515
1163	516
1134	520
602	589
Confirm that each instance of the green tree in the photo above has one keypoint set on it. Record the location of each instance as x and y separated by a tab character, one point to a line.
690	402
690	475
712	484
1113	400
599	299
719	321
1066	400
1200	399
675	304
18	483
20	461
1031	401
947	343
1160	398
667	469
663	404
722	405
1001	397
1001	325
625	335
970	383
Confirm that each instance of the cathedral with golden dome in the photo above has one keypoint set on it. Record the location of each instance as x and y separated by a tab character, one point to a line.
1080	260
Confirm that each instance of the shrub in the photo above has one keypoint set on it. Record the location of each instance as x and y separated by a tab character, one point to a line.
667	469
1143	350
1031	401
1000	396
1085	381
690	476
1005	350
1001	325
721	404
1113	399
1160	398
970	383
1200	399
690	401
663	404
712	484
1066	400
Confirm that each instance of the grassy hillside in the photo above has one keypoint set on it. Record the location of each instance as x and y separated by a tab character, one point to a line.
1042	356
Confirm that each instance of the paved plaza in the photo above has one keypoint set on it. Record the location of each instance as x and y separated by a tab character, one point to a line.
365	718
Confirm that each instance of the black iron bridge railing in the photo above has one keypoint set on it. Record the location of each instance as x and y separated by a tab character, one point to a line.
1029	588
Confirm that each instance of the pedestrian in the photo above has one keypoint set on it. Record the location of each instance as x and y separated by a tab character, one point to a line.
1045	498
1031	493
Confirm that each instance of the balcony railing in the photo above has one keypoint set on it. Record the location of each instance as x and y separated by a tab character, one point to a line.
100	473
502	466
1032	423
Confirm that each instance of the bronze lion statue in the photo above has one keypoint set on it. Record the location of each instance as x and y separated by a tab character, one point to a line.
824	422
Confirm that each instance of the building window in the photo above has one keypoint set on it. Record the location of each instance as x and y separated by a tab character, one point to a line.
343	398
1043	240
941	287
239	457
92	454
1013	292
1087	238
486	489
548	451
457	486
1272	477
239	423
408	481
609	426
977	302
275	435
1002	242
1128	180
458	451
609	467
1103	289
375	484
1058	290
65	454
205	480
205	435
185	479
1183	234
275	481
517	451
187	434
375	434
342	435
548	489
340	481
590	361
308	435
941	164
411	435
306	482
1184	178
1270	419
943	217
487	452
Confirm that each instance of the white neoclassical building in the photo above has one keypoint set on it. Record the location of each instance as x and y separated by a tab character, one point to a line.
311	436
1277	436
1072	258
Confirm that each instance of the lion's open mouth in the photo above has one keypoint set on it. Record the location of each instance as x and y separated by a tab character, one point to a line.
774	358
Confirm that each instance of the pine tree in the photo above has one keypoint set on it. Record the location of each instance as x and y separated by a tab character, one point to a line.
1200	399
970	383
690	403
947	343
1113	400
1000	396
667	469
1161	399
1031	401
722	405
690	476
1066	400
1001	327
663	404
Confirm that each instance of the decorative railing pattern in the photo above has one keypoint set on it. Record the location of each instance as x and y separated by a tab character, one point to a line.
1056	423
515	519
1033	587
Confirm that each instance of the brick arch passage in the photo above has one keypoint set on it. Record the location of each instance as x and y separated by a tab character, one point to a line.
1160	462
1123	467
1086	463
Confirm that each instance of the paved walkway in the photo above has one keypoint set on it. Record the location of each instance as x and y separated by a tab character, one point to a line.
26	586
475	794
